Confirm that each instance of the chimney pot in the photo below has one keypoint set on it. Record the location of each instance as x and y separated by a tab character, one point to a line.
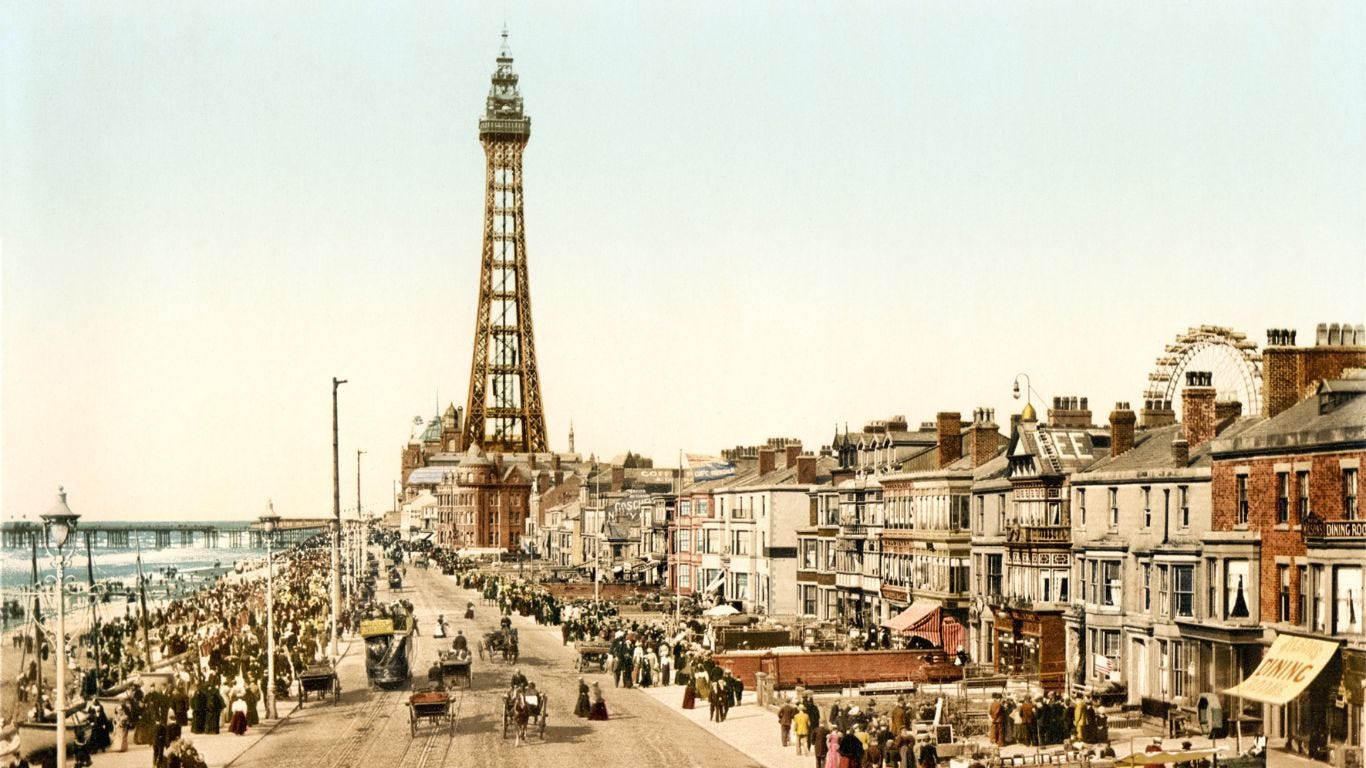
1122	422
1198	409
1321	335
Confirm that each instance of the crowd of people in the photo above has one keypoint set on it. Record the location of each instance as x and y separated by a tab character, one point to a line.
195	665
1045	720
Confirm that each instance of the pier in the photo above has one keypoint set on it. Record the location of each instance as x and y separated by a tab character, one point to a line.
21	534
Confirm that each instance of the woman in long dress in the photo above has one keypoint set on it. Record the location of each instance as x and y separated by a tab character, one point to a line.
832	744
583	706
690	694
599	710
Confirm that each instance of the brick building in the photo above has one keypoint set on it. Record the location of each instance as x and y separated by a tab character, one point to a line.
1286	521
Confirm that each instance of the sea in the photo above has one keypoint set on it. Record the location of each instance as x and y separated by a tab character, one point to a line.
170	571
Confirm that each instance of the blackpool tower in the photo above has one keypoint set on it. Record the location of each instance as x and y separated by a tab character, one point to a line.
504	411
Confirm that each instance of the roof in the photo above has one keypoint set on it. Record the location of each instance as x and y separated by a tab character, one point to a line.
1335	414
1153	449
429	475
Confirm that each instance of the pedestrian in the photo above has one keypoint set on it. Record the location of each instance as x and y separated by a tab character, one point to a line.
832	747
583	706
998	726
819	743
599	709
690	694
785	714
1024	732
801	728
929	753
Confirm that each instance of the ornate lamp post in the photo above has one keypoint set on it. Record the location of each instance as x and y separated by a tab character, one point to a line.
269	522
336	528
58	525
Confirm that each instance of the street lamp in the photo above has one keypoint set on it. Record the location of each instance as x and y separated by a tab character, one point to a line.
336	527
269	522
58	525
1015	389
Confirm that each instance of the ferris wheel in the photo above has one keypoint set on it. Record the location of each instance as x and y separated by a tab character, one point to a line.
1234	361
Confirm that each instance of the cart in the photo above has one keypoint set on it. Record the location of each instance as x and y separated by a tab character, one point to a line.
320	679
455	666
436	707
591	654
536	706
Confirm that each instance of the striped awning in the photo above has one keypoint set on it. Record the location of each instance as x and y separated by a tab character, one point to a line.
920	619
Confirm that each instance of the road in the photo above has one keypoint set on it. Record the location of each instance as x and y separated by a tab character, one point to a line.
370	727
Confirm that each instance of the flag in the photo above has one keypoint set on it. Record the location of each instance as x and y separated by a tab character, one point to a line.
1103	665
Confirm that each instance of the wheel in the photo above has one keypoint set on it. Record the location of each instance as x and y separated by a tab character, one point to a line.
412	719
336	691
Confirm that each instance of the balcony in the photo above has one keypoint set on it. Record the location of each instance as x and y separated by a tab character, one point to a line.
1039	534
1336	530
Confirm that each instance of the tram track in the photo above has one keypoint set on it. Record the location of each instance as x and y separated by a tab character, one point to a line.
374	714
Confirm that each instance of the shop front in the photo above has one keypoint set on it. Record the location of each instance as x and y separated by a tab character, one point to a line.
1031	643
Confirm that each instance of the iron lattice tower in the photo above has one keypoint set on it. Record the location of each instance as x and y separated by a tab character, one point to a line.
504	411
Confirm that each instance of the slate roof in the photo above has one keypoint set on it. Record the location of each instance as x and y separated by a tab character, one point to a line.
1335	414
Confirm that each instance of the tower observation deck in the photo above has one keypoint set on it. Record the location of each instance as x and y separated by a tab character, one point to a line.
504	411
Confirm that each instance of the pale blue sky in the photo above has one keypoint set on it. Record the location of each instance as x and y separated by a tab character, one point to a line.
743	220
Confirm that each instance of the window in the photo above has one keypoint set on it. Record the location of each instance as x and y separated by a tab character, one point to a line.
1347	599
1147	587
1236	586
809	601
1302	480
1301	612
981	514
1147	507
1283	604
1283	497
1114	508
1110	589
1242	500
1107	646
1211	587
1163	590
1349	494
1001	512
1183	591
684	576
739	543
1183	506
1181	668
741	586
1061	578
1081	507
994	574
1316	605
1164	667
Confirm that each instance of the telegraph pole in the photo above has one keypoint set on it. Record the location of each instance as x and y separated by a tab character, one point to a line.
336	527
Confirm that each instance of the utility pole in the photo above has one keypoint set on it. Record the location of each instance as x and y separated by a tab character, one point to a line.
336	527
358	546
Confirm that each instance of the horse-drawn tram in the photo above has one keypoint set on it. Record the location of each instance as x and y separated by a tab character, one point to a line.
388	643
591	654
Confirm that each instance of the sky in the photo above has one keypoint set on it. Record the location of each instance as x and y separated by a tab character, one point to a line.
744	220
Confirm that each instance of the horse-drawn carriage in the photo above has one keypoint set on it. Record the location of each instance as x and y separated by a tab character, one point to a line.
395	579
524	708
501	643
436	707
320	679
451	667
592	654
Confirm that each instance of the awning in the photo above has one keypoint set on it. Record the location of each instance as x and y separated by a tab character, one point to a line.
1155	758
1289	666
921	620
955	634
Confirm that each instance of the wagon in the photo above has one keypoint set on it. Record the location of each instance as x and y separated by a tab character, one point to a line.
501	643
592	654
320	679
536	705
436	707
454	666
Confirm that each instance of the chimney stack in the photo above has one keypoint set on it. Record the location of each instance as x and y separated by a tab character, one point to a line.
982	440
949	428
1122	422
1070	411
618	478
1181	451
1197	408
806	470
1156	413
791	452
767	460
